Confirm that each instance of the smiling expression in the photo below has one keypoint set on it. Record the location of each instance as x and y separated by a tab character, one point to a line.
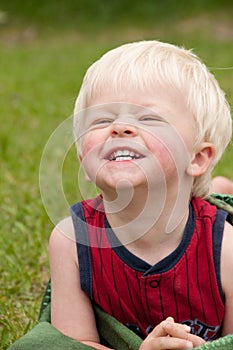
136	137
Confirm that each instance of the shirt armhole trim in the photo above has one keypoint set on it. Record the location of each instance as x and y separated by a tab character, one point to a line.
218	229
83	248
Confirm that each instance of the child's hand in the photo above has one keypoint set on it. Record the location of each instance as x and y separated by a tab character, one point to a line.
170	335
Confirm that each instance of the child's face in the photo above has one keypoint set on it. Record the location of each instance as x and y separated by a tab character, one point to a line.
137	138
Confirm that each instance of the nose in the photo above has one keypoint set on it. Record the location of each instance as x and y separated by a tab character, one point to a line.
121	129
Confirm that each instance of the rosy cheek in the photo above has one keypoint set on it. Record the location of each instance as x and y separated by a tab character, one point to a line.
88	143
163	153
158	148
86	147
94	140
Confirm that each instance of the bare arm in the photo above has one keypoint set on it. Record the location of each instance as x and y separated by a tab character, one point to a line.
71	309
227	277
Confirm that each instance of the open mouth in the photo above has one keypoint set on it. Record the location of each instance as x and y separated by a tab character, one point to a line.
123	155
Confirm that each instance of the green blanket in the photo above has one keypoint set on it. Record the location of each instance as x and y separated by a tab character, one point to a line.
45	337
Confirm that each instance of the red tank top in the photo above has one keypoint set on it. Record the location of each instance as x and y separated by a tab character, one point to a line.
185	284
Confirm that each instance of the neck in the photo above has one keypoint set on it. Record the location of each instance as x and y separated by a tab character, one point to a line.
145	221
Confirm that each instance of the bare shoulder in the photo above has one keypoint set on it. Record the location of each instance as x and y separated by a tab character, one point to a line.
227	259
62	241
63	231
228	237
227	277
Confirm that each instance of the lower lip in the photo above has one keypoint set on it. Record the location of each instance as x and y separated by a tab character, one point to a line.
123	161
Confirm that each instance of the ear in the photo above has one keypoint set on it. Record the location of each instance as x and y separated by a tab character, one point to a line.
202	159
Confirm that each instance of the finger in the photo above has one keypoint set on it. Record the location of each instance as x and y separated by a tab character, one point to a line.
160	330
165	343
169	327
195	340
176	330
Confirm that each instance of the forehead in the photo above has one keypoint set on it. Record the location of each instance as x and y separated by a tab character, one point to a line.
120	107
163	99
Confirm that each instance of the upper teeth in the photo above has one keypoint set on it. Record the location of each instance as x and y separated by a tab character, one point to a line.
123	155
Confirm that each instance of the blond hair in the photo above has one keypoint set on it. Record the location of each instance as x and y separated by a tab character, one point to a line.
144	64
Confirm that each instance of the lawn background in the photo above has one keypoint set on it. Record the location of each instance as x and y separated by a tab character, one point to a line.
45	48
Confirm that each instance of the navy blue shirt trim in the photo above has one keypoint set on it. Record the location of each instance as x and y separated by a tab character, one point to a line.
82	243
218	229
165	264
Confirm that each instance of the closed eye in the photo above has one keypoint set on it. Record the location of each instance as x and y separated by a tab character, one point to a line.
151	118
102	121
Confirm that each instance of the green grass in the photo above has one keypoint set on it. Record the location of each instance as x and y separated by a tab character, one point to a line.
41	72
